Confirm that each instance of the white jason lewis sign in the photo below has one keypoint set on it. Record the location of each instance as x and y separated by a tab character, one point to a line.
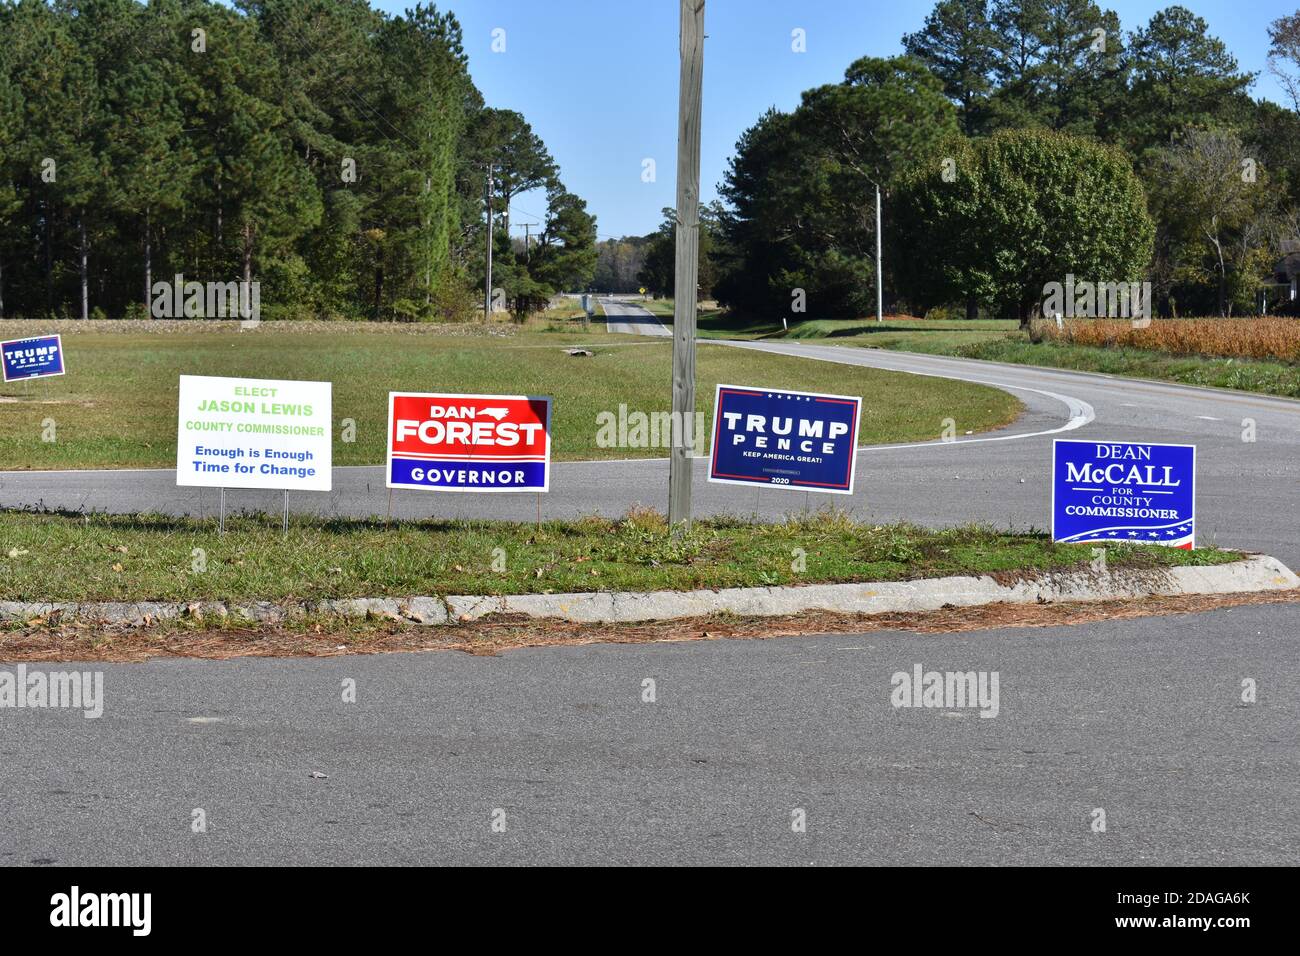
254	433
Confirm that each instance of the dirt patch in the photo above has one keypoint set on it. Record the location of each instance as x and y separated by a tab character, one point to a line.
70	643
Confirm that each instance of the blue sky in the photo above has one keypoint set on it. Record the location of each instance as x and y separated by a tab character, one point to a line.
598	78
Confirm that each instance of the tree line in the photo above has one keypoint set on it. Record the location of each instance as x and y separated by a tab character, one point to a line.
1016	142
339	156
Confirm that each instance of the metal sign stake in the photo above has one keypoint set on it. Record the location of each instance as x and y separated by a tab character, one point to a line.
221	521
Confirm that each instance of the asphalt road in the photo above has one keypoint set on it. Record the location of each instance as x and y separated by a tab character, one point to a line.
638	321
1139	718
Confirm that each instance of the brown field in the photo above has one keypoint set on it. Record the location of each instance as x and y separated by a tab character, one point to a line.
1276	339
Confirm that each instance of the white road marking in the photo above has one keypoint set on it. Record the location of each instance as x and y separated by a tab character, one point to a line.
1081	413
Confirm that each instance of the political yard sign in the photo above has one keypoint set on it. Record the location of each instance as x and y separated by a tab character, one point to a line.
31	358
797	440
442	442
1123	491
254	433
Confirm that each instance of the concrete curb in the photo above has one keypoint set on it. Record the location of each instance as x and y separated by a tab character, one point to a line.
1252	573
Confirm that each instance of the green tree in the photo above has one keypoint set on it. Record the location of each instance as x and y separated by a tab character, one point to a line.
1284	55
151	158
617	263
1059	64
60	91
566	255
331	150
1182	77
520	159
658	273
1215	208
956	43
11	111
801	188
1018	28
1030	207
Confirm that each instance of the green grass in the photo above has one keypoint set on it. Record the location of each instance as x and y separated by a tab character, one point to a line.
892	333
116	407
46	557
1269	378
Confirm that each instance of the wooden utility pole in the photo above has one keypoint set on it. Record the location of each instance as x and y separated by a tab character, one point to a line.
686	276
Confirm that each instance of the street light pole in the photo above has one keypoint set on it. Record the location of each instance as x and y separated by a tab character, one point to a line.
487	286
880	298
686	274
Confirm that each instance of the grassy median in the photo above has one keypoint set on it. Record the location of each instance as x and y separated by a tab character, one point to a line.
116	407
46	557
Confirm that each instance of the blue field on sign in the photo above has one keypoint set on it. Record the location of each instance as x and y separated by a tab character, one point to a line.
1124	491
466	475
800	441
31	358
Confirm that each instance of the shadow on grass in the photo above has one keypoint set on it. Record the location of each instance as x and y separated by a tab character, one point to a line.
245	520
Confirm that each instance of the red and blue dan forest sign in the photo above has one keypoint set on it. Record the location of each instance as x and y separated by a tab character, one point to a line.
442	442
800	440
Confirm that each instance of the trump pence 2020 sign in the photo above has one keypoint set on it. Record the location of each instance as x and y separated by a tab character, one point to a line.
442	442
795	440
1123	491
31	358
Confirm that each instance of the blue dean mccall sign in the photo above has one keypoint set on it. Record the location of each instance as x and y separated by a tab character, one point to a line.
31	358
800	440
1123	491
